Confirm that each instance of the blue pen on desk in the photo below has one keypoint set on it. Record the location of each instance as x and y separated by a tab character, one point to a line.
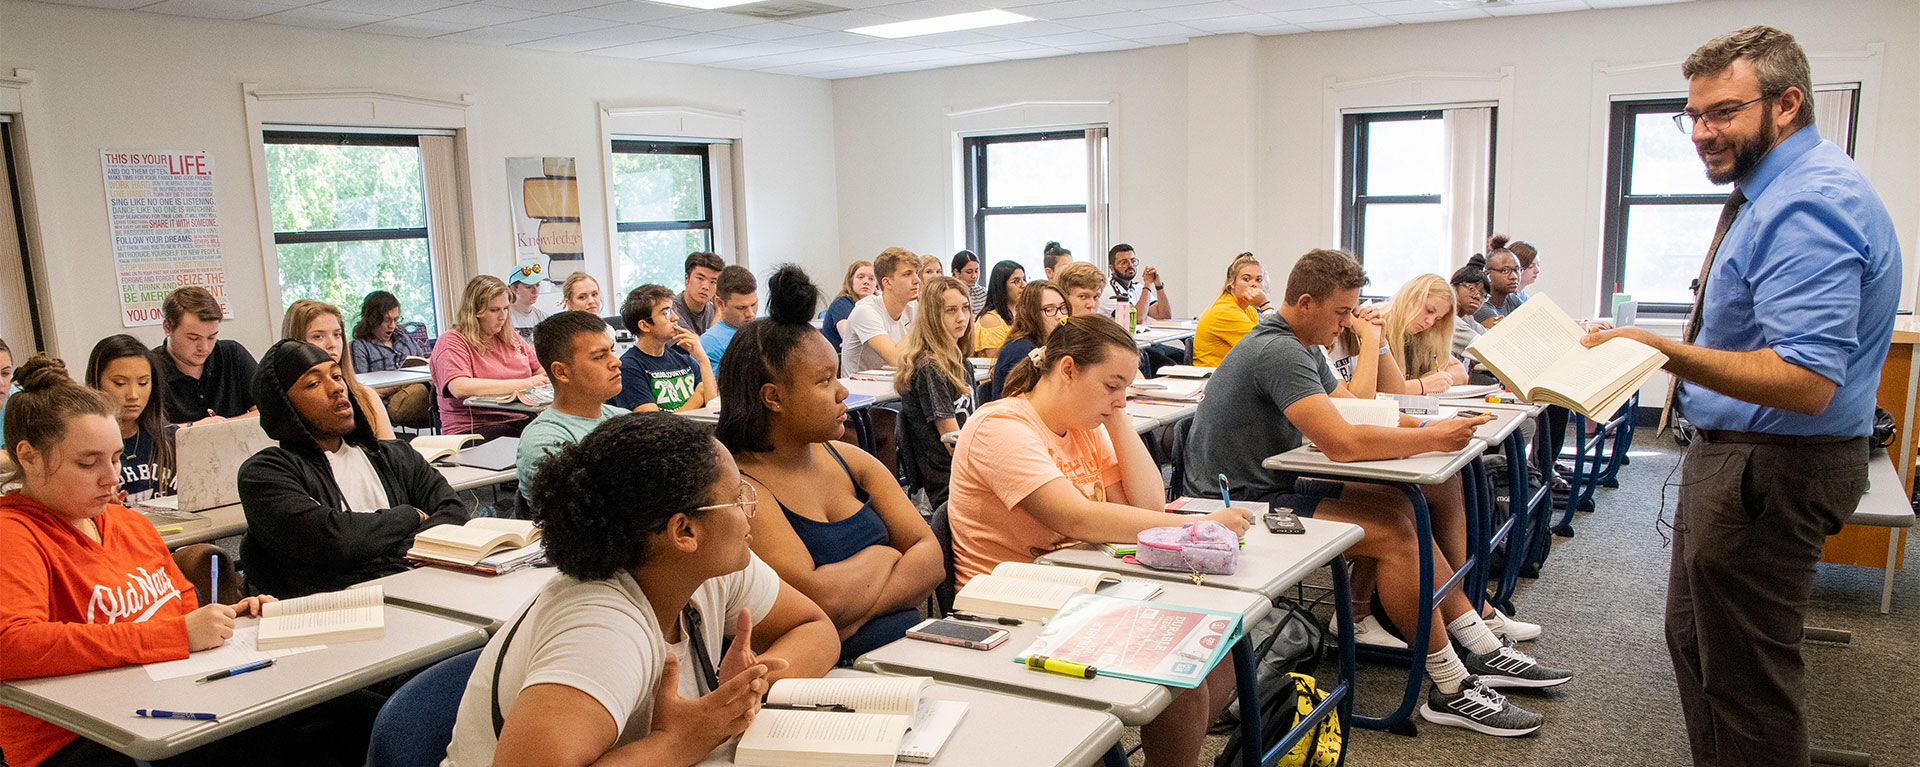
154	713
213	589
219	675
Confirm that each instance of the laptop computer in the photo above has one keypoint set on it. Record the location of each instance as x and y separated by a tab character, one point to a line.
207	458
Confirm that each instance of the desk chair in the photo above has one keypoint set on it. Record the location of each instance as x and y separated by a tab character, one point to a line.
943	533
1181	432
416	724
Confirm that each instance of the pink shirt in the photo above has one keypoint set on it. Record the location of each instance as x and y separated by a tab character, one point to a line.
454	358
1005	454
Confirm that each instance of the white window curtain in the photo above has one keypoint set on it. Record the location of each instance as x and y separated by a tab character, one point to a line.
1100	236
728	243
446	232
1833	115
1470	180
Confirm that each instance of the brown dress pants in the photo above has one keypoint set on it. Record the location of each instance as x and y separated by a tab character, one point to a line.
1750	524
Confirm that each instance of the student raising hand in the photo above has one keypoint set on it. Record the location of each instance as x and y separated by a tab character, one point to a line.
690	729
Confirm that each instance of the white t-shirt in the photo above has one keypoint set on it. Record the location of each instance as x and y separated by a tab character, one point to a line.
1110	296
601	638
359	483
1343	359
869	320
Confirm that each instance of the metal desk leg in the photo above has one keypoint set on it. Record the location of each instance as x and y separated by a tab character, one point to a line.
863	427
1246	682
1520	510
1886	577
1341	696
1115	757
1578	485
1478	498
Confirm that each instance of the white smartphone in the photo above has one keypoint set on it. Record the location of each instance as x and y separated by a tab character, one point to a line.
958	634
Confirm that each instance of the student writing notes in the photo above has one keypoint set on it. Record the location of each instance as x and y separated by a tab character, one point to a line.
84	583
837	526
331	506
645	517
1057	461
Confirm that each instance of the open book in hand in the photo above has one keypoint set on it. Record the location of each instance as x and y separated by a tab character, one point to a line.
351	615
1033	592
857	722
469	543
1536	352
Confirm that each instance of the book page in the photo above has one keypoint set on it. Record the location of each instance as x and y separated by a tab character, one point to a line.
329	622
1589	374
433	442
776	731
519	527
466	537
987	590
1087	579
1528	343
885	695
371	596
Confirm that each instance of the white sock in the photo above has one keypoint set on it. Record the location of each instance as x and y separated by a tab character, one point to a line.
1445	669
1473	632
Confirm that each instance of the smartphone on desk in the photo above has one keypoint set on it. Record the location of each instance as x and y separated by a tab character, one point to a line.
971	635
1281	520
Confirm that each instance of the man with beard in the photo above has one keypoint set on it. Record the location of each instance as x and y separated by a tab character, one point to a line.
1779	365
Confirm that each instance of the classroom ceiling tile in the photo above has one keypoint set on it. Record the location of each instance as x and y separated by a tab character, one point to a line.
477	14
314	18
218	9
818	45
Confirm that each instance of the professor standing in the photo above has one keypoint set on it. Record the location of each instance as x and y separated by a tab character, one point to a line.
1790	324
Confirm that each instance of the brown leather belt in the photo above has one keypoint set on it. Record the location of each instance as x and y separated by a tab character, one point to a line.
1763	438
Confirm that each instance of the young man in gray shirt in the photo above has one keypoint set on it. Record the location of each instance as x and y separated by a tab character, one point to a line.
1273	391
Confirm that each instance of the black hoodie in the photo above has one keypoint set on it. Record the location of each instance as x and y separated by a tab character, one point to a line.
301	539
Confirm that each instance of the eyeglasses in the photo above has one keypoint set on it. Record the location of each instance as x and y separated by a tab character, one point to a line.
1053	310
748	500
1716	119
1504	270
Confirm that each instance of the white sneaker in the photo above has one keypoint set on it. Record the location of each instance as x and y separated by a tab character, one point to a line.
1504	625
1367	630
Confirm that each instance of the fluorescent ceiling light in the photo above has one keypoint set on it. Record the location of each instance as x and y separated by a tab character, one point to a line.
705	5
938	24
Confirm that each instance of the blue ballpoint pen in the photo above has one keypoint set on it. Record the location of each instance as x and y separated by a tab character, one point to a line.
154	713
213	589
1223	490
218	675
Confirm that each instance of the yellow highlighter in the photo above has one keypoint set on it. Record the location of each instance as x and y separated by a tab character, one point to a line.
1062	667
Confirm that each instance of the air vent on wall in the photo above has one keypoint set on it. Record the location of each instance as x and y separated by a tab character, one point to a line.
782	10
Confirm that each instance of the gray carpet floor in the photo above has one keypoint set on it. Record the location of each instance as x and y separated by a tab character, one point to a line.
1600	598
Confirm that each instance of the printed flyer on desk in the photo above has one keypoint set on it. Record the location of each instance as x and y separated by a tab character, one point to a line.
1144	641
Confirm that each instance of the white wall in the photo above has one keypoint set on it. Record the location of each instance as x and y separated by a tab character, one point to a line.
117	80
891	167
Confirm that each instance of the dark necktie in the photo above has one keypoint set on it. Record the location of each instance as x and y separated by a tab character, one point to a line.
1692	329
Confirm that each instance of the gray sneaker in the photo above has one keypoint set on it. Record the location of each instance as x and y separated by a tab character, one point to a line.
1508	667
1478	708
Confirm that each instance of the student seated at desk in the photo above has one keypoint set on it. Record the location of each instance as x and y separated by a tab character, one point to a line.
331	506
879	322
580	293
577	355
1274	378
1057	461
999	308
935	382
322	325
1418	333
85	583
1365	375
648	521
1470	288
845	535
737	297
207	376
1233	314
667	368
1042	306
858	284
123	368
966	269
482	355
1080	282
524	282
378	344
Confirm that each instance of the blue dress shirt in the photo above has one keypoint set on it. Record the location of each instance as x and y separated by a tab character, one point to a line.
1810	269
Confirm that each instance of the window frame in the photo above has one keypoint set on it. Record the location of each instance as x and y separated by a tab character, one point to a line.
618	146
271	136
1618	204
979	208
1355	129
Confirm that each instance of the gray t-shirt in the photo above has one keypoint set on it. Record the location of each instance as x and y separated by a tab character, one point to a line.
686	317
1243	419
1464	331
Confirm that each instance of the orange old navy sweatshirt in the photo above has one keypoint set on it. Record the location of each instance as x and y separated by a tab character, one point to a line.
68	604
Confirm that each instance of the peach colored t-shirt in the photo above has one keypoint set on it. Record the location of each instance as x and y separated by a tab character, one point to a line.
1006	453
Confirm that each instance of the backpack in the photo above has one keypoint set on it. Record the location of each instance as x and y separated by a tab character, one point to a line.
1538	545
1287	644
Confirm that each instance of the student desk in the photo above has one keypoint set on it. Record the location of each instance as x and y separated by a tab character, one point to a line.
388	379
1134	703
231	520
1008	731
493	403
99	705
484	600
1148	416
1160	334
1884	505
1503	429
1406	475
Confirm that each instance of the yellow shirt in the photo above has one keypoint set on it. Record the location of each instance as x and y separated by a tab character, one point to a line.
1220	327
989	334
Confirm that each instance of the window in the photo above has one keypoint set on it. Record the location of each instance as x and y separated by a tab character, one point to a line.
1661	209
1025	190
349	217
1395	176
662	210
